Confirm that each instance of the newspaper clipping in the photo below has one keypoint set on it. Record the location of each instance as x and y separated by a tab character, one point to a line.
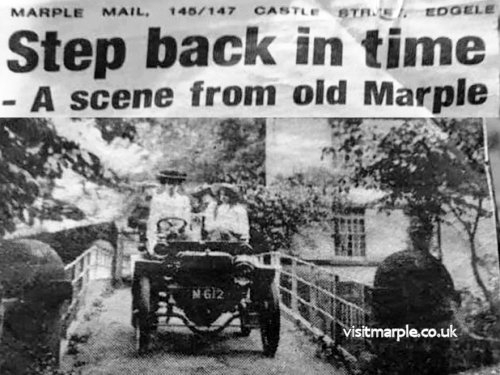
283	187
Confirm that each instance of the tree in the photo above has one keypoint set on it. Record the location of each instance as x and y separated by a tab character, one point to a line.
208	150
429	168
32	155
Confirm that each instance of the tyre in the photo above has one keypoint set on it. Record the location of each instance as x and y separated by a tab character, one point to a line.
143	315
270	321
245	331
135	298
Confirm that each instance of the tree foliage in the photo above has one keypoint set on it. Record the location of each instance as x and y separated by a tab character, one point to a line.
208	150
32	156
420	165
282	210
430	168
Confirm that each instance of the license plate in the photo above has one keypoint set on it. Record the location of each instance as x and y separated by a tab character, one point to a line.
208	293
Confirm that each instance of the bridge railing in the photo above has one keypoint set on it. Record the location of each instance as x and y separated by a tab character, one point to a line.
94	264
322	301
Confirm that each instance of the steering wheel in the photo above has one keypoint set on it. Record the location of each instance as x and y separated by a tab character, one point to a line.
177	223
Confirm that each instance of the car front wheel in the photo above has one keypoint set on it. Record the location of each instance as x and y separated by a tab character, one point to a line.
270	322
143	316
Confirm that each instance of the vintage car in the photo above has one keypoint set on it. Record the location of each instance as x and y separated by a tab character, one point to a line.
206	284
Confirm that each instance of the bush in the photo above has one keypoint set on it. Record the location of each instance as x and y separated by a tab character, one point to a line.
70	243
278	212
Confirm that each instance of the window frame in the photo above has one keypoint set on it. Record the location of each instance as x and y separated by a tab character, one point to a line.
349	233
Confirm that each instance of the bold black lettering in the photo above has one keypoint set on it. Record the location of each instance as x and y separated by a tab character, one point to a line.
260	92
77	48
393	48
428	48
386	93
79	99
421	93
211	91
196	89
404	97
461	91
108	12
28	53
50	45
164	97
17	12
219	54
470	44
232	95
477	93
196	56
255	49
371	43
146	94
102	64
120	99
337	94
440	101
43	99
303	95
154	43
302	53
96	103
335	51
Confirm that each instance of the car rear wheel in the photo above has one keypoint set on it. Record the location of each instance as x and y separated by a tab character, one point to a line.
245	331
143	324
270	321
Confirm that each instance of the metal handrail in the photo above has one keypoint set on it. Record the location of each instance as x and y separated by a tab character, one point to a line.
321	308
81	271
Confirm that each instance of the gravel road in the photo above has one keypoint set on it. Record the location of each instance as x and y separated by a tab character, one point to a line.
107	347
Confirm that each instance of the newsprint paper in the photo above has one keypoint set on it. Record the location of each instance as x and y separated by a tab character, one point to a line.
277	187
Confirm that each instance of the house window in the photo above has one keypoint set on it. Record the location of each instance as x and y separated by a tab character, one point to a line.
349	233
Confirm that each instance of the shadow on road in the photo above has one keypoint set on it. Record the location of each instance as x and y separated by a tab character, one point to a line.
184	343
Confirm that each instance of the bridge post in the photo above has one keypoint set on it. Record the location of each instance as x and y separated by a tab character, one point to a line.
117	265
312	297
276	261
331	308
2	312
336	313
293	295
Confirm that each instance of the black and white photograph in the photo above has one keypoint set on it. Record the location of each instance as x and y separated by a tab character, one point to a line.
288	187
248	246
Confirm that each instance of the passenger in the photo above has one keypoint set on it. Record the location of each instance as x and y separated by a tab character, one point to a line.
231	217
204	210
168	201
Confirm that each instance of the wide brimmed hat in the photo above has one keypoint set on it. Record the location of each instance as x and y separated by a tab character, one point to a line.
171	176
230	190
202	191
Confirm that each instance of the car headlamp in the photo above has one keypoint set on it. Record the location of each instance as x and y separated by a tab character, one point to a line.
243	272
163	250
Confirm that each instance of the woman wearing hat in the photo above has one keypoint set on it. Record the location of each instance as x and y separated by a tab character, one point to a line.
231	217
168	201
204	207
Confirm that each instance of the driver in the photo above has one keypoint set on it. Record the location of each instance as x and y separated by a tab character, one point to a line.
168	201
